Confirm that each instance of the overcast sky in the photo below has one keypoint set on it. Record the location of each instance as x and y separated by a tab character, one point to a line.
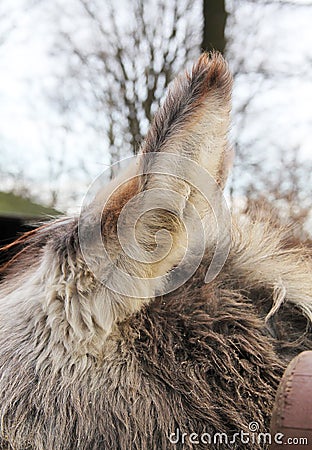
278	38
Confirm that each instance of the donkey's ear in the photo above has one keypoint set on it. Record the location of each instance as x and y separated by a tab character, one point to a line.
194	118
149	216
183	164
185	154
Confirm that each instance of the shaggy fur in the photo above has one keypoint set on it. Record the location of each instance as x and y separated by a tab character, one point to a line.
84	368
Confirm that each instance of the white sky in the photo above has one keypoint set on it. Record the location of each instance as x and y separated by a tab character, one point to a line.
281	114
280	40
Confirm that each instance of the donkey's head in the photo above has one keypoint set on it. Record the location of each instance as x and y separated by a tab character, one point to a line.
146	232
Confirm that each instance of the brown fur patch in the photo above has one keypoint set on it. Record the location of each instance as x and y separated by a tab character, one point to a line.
115	204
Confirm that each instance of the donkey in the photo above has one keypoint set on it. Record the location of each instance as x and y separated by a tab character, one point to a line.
139	346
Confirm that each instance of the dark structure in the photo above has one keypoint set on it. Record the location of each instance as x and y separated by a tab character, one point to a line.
215	17
18	215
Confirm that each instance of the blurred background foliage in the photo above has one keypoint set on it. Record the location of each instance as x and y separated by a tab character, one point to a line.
94	73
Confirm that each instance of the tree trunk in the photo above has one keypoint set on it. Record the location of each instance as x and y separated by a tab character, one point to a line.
215	16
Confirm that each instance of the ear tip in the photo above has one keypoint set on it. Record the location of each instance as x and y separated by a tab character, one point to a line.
213	70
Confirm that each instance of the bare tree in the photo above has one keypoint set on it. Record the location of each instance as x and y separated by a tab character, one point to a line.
122	62
286	189
113	62
269	170
215	17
